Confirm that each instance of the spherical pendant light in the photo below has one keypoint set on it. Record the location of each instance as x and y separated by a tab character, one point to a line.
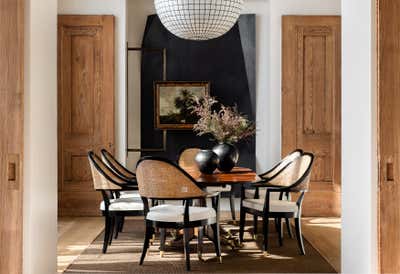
198	19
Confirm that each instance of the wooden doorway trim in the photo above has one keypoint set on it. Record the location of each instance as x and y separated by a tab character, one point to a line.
388	86
85	106
311	104
11	127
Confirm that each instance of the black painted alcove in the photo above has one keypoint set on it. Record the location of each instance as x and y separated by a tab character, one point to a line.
227	62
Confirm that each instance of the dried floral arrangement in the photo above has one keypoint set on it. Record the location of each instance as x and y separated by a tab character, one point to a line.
225	124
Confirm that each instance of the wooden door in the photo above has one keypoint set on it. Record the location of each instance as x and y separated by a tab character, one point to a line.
311	108
389	135
11	131
85	106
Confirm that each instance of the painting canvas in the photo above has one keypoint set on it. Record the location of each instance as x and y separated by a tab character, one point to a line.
174	101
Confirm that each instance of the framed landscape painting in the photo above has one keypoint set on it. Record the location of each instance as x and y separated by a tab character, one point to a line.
173	102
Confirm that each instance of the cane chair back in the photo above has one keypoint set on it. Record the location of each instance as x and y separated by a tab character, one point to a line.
186	159
161	179
103	177
115	165
296	175
282	164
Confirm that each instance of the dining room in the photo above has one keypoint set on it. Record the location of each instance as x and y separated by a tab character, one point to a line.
199	116
233	136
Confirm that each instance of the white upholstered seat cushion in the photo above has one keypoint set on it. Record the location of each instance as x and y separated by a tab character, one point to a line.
225	188
130	194
123	204
274	205
174	213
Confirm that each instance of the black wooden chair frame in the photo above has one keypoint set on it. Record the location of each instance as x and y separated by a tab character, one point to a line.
265	214
112	218
106	157
257	196
186	225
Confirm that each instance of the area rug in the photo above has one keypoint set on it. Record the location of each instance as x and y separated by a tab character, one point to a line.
124	253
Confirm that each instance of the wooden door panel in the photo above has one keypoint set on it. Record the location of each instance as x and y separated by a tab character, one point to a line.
311	104
389	135
11	130
82	79
82	200
77	174
86	106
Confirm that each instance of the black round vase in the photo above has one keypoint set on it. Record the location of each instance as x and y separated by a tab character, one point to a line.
228	156
207	161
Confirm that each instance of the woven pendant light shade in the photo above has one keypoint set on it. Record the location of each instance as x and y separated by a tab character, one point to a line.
198	19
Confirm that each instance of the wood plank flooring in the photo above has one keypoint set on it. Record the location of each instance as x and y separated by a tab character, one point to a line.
324	235
76	234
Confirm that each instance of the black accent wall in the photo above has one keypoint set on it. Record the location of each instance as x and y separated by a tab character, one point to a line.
227	62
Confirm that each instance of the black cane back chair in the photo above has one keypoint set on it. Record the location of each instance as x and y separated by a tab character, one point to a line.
117	167
256	193
161	179
128	176
112	208
187	162
294	177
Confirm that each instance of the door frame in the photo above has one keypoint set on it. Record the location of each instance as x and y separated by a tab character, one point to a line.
12	92
388	163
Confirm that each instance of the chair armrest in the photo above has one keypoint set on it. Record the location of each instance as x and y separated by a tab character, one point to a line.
213	194
254	185
249	186
128	187
269	186
215	200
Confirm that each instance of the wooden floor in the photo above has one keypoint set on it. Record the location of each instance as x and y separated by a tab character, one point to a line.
76	234
324	235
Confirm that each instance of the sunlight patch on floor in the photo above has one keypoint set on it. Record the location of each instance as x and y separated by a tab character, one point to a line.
324	235
72	241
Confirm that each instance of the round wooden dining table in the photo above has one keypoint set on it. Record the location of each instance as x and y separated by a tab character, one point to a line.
238	175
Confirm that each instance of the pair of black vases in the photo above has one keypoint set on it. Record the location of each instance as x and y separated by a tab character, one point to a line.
223	156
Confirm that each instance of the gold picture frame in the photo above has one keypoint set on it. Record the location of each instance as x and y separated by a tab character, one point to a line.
172	103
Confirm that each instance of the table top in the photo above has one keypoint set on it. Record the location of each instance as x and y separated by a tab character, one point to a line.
238	175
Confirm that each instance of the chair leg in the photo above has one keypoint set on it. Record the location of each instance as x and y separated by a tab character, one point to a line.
121	224
280	231
216	240
265	233
299	236
241	225
112	228
163	232
107	220
186	240
232	204
148	235
118	220
200	243
289	228
255	225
